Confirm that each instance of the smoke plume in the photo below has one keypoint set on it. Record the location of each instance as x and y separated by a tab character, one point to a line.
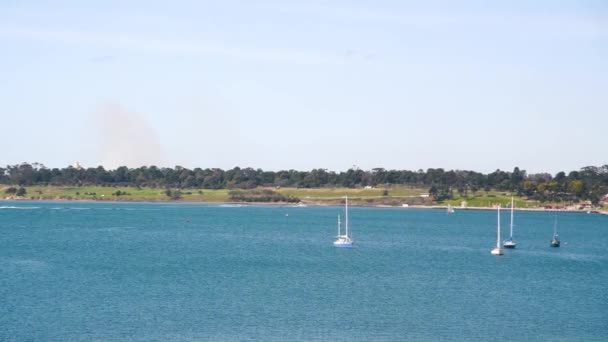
125	138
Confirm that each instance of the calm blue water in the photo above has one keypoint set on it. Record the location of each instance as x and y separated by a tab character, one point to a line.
78	271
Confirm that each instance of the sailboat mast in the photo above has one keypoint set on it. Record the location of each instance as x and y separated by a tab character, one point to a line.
339	225
498	228
555	225
346	214
511	228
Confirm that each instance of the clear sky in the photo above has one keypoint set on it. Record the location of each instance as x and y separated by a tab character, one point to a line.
280	84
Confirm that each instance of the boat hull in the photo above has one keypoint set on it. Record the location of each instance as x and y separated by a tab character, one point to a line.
509	244
496	251
554	244
343	244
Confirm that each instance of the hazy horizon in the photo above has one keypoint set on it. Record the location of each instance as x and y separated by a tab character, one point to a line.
281	85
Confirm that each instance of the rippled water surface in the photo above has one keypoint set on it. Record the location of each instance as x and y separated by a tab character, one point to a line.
78	271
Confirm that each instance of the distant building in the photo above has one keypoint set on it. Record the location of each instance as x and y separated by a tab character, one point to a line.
425	195
77	166
463	204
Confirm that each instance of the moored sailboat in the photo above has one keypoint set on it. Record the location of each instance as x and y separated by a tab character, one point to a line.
555	241
497	250
510	243
344	240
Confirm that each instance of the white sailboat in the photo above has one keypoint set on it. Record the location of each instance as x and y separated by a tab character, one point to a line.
497	250
450	209
510	243
344	240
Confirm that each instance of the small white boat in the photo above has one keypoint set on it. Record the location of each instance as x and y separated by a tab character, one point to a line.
497	250
344	240
510	243
450	209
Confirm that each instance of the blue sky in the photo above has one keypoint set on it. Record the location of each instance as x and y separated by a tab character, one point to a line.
305	84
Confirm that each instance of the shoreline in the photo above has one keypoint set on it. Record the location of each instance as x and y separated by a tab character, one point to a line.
301	204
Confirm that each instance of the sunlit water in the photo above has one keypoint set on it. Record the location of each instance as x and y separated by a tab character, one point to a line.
80	271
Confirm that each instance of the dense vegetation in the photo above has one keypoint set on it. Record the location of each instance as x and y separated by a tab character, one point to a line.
262	195
588	183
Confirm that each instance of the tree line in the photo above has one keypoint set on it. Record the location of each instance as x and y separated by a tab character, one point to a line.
588	183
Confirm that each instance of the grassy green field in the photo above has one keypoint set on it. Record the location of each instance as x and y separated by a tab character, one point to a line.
206	195
335	193
375	196
490	198
133	194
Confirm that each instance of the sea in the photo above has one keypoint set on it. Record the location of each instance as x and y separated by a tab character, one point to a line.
101	271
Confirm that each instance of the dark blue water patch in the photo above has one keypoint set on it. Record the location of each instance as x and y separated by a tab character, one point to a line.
74	271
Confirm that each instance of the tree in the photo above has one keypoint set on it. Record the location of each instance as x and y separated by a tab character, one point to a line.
588	183
21	192
173	194
576	188
529	187
474	189
462	191
517	177
440	192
